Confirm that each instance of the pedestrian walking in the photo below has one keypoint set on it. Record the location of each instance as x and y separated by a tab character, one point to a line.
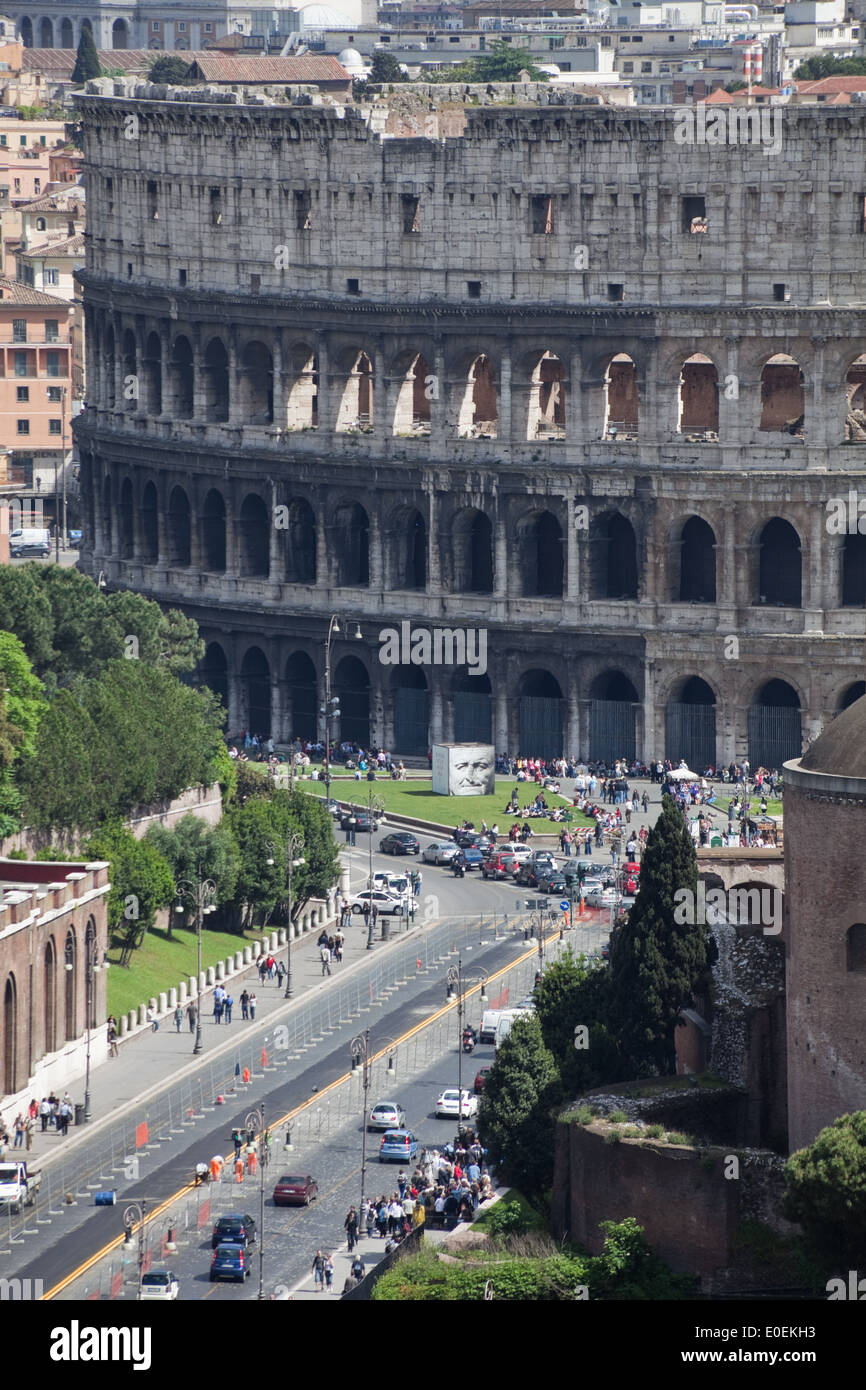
178	1018
152	1019
326	960
245	1005
28	1132
191	1015
318	1268
44	1113
112	1036
228	1005
351	1227
368	1218
338	946
281	974
253	1002
418	883
329	1273
217	1010
19	1131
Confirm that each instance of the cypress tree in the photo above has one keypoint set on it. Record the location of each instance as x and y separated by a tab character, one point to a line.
87	63
656	959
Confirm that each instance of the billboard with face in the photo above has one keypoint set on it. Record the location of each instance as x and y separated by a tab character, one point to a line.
463	769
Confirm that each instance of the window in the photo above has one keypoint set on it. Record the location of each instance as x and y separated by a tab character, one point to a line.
40	224
23	393
23	426
52	364
646	67
42	140
129	270
694	214
51	277
3	140
21	364
353	287
411	213
255	284
208	28
109	187
52	334
616	293
628	67
216	207
54	393
303	210
780	293
19	330
181	28
155	26
53	426
16	188
181	277
454	38
37	185
22	141
152	209
542	214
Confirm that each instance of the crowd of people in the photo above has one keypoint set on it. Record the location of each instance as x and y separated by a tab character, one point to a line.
49	1113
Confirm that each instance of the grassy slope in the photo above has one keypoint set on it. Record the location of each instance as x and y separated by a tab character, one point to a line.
161	963
416	799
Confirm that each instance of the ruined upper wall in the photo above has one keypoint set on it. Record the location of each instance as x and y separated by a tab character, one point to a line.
578	205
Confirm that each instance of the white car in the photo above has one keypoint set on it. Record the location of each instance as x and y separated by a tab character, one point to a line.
159	1284
519	852
439	852
447	1105
386	1114
602	897
385	902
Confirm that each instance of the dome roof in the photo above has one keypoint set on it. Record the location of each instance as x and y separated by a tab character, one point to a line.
841	749
351	60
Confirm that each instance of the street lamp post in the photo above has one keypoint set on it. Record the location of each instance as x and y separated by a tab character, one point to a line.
92	965
456	980
294	843
332	704
135	1212
376	807
255	1121
202	891
359	1052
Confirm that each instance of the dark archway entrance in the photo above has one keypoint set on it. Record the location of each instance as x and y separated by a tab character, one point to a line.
612	710
214	672
697	563
411	711
473	709
690	726
775	726
540	715
256	684
301	690
352	684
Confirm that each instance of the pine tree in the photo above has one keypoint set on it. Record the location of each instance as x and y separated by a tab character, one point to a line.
656	961
87	63
516	1115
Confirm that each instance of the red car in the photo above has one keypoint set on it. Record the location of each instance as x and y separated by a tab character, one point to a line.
480	1078
295	1192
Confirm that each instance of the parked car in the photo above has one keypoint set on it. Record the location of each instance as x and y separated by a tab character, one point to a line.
551	881
236	1228
159	1285
475	839
448	1106
398	1145
292	1191
385	902
401	842
499	865
542	859
472	858
230	1262
480	1077
526	875
387	1115
603	897
361	821
440	852
75	538
520	851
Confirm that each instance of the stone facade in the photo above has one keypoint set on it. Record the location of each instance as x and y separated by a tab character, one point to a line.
557	374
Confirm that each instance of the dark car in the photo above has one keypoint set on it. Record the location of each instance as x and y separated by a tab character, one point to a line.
230	1262
472	858
550	882
401	842
480	1077
236	1228
499	865
473	839
526	876
295	1191
360	820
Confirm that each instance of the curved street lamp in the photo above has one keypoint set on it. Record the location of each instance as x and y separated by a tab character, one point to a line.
458	984
135	1213
362	1064
203	893
92	965
376	807
255	1124
294	844
332	703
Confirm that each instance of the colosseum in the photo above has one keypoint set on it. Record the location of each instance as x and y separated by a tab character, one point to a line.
563	373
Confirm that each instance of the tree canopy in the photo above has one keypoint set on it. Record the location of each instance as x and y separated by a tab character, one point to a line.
195	850
141	884
171	71
826	66
515	1118
826	1192
386	68
572	995
86	62
502	63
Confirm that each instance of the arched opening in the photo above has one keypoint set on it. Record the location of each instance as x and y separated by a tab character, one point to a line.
254	559
547	399
612	713
540	715
49	996
699	398
131	385
10	1036
356	407
70	992
775	732
86	24
411	711
409	550
697	563
213	533
67	39
302	408
178	528
301	543
127	534
621	405
150	524
256	387
25	29
351	684
472	552
854	571
613	558
46	33
473	708
301	694
539	544
107	512
412	412
151	375
256	692
478	417
180	377
119	34
690	725
213	671
352	546
855	948
855	387
216	382
108	368
853	692
779	573
783	400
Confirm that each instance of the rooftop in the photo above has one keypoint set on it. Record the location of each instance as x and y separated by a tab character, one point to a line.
13	292
841	749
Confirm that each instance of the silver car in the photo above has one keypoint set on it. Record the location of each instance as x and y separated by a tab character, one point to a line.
440	852
387	1115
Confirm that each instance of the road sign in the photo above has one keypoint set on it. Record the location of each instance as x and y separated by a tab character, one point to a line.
564	905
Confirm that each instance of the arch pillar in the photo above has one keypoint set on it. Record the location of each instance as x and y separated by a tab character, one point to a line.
500	550
438	731
434	566
574	748
815	585
276	539
323	394
375	562
279	385
575	423
817	418
323	556
234	371
199	408
504	403
572	554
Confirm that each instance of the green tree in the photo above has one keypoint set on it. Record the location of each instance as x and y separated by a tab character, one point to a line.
627	1269
84	636
826	1192
86	63
656	960
515	1118
259	829
192	850
25	610
503	63
58	781
816	68
22	692
572	995
171	72
141	884
385	68
160	638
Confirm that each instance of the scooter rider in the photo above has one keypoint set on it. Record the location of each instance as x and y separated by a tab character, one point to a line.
458	865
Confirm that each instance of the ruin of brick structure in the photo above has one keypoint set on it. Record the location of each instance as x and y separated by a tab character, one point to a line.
552	372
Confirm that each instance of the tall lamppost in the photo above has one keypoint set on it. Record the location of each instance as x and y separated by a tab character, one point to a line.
135	1212
375	807
359	1051
332	705
92	965
202	891
458	982
294	844
255	1124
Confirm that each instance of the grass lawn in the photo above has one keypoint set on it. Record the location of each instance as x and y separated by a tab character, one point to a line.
774	808
417	799
531	1215
161	963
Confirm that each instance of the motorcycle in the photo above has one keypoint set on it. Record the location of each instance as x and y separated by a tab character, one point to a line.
468	1040
459	870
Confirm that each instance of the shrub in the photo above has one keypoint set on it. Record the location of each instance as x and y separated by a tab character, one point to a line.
612	1136
507	1219
674	1137
583	1116
618	1117
655	1131
632	1132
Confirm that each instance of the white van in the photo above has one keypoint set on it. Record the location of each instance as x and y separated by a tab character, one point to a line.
489	1020
504	1022
25	540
